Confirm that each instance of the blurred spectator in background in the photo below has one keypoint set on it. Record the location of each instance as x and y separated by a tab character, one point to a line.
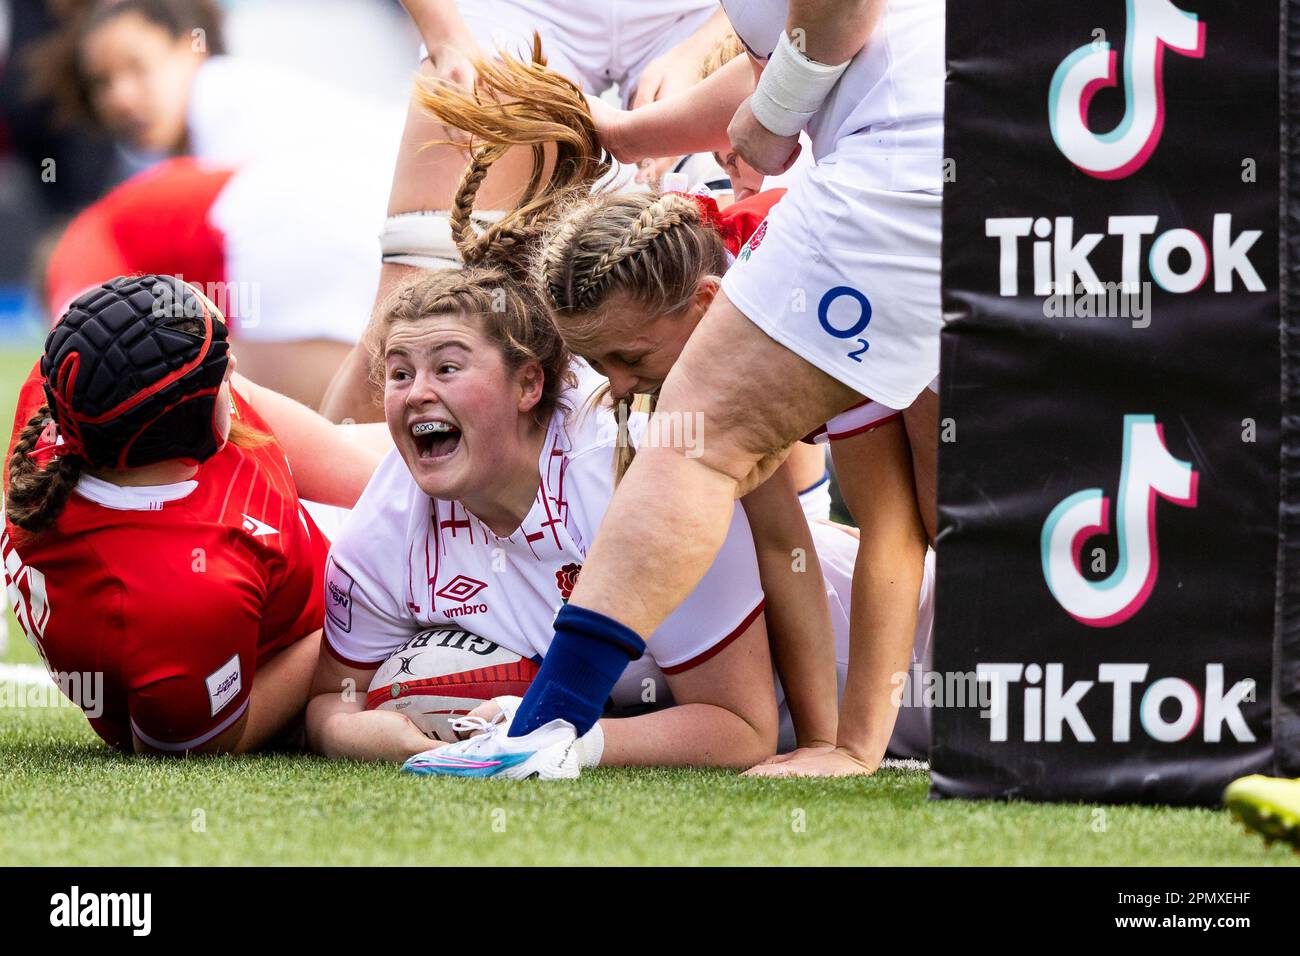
280	216
47	170
155	75
291	258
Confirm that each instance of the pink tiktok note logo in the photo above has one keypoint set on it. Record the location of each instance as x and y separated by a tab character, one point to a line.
1152	26
1148	471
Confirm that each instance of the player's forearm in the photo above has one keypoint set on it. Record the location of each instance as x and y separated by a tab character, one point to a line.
890	568
686	735
437	20
331	463
279	692
833	31
802	642
798	617
692	121
338	730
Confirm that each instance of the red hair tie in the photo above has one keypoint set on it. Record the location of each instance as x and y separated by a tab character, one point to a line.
50	444
729	227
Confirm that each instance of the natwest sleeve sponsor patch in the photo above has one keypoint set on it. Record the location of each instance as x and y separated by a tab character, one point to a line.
338	596
224	684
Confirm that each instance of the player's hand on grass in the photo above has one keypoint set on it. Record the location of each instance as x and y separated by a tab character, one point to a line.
814	762
767	152
759	769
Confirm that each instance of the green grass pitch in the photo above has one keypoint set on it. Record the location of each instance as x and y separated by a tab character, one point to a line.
67	800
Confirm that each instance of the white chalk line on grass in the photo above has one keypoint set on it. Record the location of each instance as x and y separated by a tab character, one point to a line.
900	763
35	674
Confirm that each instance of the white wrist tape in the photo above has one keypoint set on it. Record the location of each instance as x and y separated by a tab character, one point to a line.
423	239
591	746
792	89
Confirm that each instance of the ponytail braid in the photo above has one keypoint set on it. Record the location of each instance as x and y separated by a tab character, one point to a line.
517	104
37	495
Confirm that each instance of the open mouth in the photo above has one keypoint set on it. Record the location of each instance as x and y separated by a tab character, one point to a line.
435	440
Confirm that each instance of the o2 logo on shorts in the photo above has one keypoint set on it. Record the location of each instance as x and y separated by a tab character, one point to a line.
861	305
1152	26
1148	470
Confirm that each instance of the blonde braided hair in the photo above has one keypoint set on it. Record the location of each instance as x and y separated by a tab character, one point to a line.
513	104
647	249
517	104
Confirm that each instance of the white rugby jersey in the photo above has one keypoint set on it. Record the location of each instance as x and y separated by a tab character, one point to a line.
405	562
892	90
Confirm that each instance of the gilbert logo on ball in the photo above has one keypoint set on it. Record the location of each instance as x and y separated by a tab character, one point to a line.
1152	26
1148	471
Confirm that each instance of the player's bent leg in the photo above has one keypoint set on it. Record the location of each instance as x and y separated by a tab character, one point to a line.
743	399
1270	806
922	420
426	176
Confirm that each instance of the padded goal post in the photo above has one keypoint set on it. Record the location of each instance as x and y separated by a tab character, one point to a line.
1119	492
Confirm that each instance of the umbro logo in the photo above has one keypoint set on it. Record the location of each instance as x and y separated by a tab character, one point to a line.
256	528
461	588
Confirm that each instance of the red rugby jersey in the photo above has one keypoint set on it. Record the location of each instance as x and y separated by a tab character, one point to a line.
175	594
158	221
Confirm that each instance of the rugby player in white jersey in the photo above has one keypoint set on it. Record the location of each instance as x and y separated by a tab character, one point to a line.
481	519
859	235
484	518
644	47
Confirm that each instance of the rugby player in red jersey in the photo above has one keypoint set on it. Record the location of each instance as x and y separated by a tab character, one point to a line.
154	537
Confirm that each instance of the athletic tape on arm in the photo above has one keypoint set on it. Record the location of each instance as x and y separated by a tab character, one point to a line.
423	239
792	89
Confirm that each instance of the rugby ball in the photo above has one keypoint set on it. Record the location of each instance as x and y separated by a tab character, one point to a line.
444	673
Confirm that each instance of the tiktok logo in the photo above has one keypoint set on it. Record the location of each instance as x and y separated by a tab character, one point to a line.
1148	471
1152	26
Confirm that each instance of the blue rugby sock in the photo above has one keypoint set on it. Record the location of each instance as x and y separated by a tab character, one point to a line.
586	658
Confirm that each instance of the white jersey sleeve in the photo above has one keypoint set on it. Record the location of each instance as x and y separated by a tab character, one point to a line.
366	618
